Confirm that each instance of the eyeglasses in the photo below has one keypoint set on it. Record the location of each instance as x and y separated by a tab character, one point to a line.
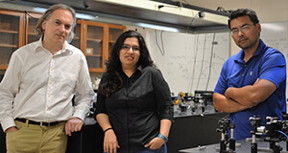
243	29
127	48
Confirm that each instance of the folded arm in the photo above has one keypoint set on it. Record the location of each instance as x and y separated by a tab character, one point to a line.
223	104
251	95
238	99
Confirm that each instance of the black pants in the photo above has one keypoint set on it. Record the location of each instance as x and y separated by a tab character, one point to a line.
2	140
88	140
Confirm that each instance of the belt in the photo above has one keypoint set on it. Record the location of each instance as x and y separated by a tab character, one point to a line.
37	123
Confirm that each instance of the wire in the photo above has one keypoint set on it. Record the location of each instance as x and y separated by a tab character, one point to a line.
202	63
190	24
210	61
283	133
186	2
194	66
193	18
161	37
29	15
162	51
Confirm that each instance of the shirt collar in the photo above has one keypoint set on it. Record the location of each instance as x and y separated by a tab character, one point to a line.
260	50
67	48
139	68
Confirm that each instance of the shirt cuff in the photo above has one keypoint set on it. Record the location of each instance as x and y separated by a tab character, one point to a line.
80	114
7	123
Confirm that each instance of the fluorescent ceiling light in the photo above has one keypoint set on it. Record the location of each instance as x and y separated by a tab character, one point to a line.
272	26
86	16
157	27
39	9
169	9
78	15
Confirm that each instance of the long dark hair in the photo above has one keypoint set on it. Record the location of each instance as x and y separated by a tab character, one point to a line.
113	80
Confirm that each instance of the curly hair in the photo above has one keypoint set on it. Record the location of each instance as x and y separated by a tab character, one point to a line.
114	81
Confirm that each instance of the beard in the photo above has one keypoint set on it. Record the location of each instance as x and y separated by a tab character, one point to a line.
247	43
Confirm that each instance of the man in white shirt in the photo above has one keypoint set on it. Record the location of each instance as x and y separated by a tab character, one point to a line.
36	92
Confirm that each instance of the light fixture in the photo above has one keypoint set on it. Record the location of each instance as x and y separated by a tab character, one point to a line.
86	16
157	27
39	9
169	9
272	26
78	15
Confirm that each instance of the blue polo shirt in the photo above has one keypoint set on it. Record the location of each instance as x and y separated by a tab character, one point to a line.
267	63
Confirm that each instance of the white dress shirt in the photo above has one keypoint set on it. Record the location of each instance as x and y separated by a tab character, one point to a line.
40	86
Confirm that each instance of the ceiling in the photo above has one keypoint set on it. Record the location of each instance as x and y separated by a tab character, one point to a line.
118	13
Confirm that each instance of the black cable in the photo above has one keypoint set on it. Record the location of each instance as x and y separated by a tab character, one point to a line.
210	61
29	15
194	66
161	37
201	69
190	24
161	51
187	2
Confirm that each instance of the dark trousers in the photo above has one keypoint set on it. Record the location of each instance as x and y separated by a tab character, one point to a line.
88	140
2	140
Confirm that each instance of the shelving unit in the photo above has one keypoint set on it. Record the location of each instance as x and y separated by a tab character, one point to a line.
114	32
76	41
31	33
97	39
92	44
94	39
11	33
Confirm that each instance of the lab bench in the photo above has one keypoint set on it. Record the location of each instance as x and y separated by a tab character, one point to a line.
189	129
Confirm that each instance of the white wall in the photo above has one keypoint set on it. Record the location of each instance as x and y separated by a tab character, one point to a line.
188	62
268	11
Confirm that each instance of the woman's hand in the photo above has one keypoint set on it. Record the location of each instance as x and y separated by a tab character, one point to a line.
155	143
110	144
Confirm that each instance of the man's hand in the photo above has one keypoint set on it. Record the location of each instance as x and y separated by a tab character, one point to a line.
11	129
72	125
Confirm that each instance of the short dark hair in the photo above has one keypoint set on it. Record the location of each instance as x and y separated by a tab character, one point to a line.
243	12
113	66
47	14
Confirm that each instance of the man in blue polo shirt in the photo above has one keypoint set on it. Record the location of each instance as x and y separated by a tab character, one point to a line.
252	82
